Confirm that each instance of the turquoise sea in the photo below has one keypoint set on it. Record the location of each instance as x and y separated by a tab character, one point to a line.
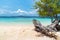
25	20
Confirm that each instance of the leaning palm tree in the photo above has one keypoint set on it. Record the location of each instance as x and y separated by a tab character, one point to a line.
48	8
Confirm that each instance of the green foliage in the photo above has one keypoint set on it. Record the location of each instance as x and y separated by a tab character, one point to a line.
48	7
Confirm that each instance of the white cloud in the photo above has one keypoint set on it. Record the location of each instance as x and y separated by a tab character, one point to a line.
18	12
33	12
2	11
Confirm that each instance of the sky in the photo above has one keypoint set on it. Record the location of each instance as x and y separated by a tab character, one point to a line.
17	7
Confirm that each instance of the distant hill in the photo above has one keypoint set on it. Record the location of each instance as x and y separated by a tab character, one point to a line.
19	17
24	17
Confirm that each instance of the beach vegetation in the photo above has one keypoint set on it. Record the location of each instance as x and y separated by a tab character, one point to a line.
48	8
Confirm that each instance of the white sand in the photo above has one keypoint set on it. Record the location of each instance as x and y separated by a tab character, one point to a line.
20	32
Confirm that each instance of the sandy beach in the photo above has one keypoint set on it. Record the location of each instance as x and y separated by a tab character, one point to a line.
20	32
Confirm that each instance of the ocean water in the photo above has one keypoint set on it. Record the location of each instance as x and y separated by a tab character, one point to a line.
46	21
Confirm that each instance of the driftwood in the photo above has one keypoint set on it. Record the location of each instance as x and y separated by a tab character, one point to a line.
57	26
48	31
